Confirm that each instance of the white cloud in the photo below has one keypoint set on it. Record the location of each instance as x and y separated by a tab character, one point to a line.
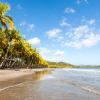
27	26
59	53
92	21
92	40
70	10
34	41
88	22
51	54
73	44
82	36
60	38
53	33
80	31
56	55
88	42
64	23
44	51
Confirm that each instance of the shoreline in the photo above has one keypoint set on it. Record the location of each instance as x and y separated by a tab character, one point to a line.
9	74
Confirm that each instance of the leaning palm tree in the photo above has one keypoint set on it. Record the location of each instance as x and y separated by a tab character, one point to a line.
14	50
5	20
7	24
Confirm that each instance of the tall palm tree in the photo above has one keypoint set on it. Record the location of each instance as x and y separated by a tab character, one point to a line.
6	23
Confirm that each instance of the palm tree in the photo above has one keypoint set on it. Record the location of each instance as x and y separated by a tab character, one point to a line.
13	48
5	21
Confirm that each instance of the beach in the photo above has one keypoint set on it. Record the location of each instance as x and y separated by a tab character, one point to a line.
58	84
17	73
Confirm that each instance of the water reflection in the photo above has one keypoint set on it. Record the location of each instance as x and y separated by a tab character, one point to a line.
60	85
40	74
37	76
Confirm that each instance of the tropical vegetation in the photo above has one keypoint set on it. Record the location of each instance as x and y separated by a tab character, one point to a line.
15	51
59	65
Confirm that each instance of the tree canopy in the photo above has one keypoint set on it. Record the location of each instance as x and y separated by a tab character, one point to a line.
15	51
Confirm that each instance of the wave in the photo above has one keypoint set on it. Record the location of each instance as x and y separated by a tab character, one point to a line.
91	89
82	70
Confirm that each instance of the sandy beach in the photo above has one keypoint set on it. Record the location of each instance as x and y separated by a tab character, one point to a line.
59	84
11	74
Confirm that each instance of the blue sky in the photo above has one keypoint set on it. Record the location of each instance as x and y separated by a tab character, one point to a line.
62	30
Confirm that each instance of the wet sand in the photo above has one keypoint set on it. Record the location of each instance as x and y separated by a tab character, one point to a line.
10	78
10	74
61	84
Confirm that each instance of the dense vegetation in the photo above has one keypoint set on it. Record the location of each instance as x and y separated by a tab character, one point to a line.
59	65
15	51
87	66
67	65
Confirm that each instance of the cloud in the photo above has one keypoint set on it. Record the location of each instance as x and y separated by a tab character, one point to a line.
64	23
92	21
88	42
82	36
59	53
34	41
27	26
80	1
53	33
69	10
80	31
44	51
51	54
88	22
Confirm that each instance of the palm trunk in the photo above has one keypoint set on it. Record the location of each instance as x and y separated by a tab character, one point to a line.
5	56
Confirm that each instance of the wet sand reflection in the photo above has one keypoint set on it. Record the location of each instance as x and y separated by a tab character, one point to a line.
12	89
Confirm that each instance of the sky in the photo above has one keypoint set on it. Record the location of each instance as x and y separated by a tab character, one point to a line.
61	30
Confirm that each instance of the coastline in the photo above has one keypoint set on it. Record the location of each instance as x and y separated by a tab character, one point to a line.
13	73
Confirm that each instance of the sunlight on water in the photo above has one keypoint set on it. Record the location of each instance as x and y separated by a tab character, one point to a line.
57	84
83	70
47	77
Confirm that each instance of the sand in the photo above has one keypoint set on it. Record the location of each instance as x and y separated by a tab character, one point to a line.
10	74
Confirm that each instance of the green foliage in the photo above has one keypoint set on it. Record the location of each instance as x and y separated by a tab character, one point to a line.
4	8
87	66
15	51
59	65
5	20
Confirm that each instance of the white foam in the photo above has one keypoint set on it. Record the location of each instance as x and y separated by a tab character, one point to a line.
82	70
